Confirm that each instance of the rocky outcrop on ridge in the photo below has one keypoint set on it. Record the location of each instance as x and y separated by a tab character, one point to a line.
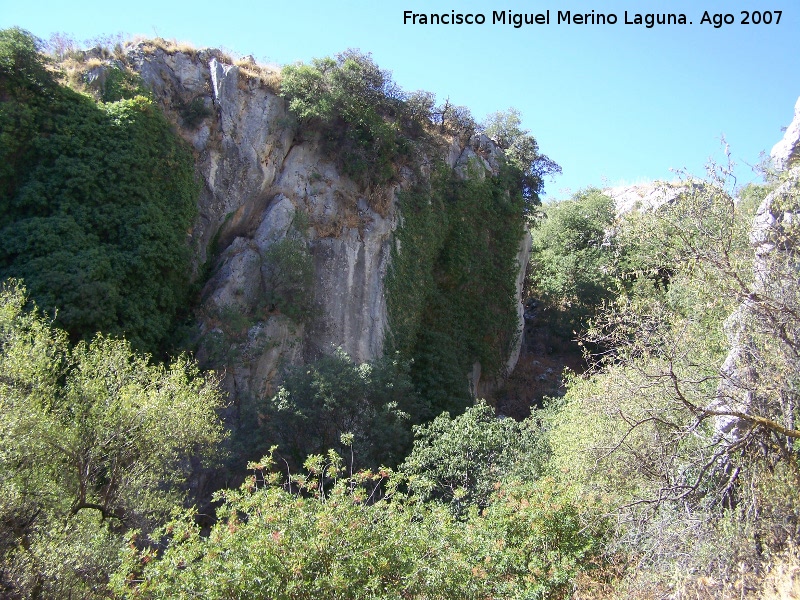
261	185
787	152
643	196
772	306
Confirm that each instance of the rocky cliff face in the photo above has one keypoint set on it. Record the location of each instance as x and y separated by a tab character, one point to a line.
772	307
644	196
787	151
260	185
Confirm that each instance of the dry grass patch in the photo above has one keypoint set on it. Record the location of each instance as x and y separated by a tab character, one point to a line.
173	46
267	75
782	581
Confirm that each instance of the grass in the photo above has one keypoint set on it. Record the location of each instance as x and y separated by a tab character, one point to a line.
267	75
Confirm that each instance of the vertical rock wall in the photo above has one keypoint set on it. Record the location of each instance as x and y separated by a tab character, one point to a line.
260	185
772	307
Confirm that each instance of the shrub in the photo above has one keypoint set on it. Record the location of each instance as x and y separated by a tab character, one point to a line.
462	460
320	402
354	105
522	153
194	112
342	537
95	203
687	420
287	274
574	259
94	440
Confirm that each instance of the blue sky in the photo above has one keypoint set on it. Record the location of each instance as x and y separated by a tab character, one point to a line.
610	104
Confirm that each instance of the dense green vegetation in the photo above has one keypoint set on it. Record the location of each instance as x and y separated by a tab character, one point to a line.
335	533
95	201
575	262
94	441
451	287
702	508
372	127
668	469
333	396
459	461
357	110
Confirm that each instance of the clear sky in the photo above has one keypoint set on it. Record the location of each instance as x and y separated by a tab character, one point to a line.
610	103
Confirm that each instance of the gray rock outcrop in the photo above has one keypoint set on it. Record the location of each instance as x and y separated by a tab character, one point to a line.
787	152
261	185
643	196
769	313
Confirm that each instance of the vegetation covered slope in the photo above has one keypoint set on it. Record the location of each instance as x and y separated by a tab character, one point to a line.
94	441
686	420
96	199
669	469
452	284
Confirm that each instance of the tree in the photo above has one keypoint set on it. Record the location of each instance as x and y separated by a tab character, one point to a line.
94	440
522	152
462	460
688	418
321	401
574	259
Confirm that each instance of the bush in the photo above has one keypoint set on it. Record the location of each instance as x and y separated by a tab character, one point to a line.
686	422
320	402
95	203
343	537
522	153
461	461
194	111
353	104
94	440
287	274
574	259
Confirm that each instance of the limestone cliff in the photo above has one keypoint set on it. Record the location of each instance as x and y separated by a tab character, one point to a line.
787	151
261	184
771	308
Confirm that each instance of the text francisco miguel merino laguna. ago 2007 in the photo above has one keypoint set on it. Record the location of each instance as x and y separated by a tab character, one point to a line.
568	17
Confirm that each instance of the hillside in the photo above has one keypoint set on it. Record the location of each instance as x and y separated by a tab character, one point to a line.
261	328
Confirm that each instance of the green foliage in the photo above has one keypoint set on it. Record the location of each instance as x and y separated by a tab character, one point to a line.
23	71
682	424
574	259
522	153
343	537
544	537
451	286
95	202
94	439
462	461
354	105
287	274
194	112
121	84
320	402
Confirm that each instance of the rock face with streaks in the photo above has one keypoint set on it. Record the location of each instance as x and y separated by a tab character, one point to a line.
261	185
